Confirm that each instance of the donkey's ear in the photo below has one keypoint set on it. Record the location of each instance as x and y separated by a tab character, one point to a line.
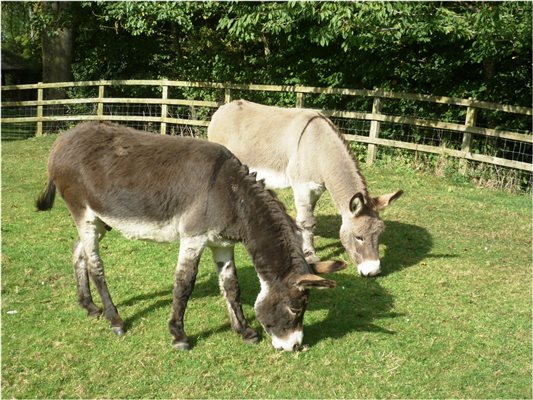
312	281
327	267
386	200
356	204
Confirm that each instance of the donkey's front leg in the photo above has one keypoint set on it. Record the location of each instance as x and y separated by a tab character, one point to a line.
305	197
229	286
190	251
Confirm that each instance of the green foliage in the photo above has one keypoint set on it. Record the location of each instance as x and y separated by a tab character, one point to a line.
457	49
16	31
450	317
146	18
465	49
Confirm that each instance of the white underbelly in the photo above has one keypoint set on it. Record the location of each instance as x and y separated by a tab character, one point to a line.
273	179
164	231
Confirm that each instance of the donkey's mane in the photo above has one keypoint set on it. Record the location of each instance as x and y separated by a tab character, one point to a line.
266	208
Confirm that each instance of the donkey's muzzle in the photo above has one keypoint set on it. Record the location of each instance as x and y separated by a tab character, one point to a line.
290	343
369	268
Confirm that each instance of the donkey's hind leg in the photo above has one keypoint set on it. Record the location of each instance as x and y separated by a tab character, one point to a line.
81	271
229	286
91	230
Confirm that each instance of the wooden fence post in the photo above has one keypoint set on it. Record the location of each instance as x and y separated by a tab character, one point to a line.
466	145
375	126
39	128
464	152
299	100
227	95
100	104
164	107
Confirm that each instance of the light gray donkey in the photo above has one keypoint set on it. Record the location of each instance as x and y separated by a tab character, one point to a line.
302	149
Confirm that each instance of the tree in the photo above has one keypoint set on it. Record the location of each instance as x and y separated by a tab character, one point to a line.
54	19
456	48
465	49
20	47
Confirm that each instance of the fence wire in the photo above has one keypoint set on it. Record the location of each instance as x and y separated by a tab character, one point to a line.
147	116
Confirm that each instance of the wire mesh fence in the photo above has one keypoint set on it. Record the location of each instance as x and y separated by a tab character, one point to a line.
417	124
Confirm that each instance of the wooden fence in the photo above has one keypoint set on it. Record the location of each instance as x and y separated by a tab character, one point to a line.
375	117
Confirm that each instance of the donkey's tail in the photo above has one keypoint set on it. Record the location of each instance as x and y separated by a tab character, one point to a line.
46	200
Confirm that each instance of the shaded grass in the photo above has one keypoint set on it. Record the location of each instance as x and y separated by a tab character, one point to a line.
450	317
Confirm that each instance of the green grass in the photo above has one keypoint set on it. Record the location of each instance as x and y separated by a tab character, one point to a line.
450	317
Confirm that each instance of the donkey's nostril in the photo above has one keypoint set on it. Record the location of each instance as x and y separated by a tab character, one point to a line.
369	268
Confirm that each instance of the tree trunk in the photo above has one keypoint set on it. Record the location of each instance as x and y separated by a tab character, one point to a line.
57	41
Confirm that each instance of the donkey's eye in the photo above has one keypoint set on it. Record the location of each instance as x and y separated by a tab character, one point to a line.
359	239
294	310
295	307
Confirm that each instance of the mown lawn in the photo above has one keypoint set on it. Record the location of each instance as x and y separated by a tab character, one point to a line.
449	318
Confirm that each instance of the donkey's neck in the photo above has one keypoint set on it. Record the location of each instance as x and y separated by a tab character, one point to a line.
341	174
268	233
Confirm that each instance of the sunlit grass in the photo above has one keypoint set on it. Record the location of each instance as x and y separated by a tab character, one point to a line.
450	317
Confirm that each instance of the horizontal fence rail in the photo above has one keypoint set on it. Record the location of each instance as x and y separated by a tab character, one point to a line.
182	107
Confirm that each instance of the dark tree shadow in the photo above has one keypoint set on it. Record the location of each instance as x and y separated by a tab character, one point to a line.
406	245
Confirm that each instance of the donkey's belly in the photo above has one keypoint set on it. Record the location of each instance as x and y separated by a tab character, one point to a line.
273	179
164	231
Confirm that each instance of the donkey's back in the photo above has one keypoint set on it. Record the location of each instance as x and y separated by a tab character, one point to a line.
265	138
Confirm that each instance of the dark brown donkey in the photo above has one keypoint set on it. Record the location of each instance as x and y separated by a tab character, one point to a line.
168	188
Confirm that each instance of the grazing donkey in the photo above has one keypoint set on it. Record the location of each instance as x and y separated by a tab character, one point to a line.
303	149
163	188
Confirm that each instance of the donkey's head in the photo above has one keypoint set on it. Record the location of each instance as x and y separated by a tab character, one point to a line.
281	304
361	229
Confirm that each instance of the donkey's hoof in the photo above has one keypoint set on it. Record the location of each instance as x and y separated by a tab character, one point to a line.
311	258
92	310
250	336
94	313
118	330
182	346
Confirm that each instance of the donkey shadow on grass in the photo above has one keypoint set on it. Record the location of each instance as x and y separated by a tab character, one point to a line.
405	245
356	304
